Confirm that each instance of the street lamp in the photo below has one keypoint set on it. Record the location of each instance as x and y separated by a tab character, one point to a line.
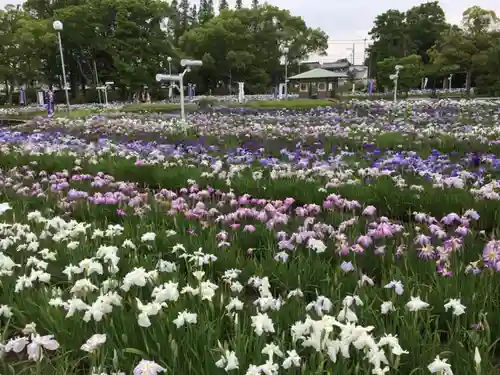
394	77
58	26
169	59
285	51
187	64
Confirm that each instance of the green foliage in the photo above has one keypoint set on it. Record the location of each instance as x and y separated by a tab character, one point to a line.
444	49
398	34
488	81
468	47
409	76
248	45
129	41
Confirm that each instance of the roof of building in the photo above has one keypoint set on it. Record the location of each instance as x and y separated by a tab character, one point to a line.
318	73
336	64
341	63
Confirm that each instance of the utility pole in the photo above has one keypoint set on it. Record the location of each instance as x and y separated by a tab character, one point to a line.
353	52
97	80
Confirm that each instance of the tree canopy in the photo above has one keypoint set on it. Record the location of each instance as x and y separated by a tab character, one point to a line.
468	50
129	41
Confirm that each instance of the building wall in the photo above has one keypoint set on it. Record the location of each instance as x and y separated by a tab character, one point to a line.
321	88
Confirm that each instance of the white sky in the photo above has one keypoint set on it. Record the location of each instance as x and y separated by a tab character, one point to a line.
348	22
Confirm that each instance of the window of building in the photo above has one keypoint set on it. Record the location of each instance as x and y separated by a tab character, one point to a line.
303	87
322	86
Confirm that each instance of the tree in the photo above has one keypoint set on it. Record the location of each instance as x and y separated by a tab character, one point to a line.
425	23
9	59
175	20
409	77
469	46
194	15
185	15
476	20
128	41
223	5
488	80
210	9
399	34
245	43
389	34
239	4
255	4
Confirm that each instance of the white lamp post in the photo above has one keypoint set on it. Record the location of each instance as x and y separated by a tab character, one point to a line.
180	78
169	59
285	51
394	77
58	26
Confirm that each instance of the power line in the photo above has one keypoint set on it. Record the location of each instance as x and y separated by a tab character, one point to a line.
347	40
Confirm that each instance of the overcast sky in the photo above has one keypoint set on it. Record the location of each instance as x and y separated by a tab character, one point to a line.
348	21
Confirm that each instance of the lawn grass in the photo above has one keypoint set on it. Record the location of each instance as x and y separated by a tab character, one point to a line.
76	113
298	104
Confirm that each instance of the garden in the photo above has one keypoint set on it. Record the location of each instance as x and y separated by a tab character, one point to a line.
355	238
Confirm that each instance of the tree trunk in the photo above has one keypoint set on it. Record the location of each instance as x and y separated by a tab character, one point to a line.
468	79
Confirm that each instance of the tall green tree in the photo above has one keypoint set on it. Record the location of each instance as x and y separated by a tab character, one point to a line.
245	43
467	47
127	41
488	79
185	16
399	34
194	15
425	23
409	77
175	20
239	4
223	5
210	9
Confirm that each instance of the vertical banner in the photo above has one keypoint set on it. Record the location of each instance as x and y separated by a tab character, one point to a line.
190	91
426	80
370	86
50	103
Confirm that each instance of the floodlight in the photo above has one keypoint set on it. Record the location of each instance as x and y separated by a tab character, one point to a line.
398	67
169	59
57	25
167	77
109	83
393	77
185	62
